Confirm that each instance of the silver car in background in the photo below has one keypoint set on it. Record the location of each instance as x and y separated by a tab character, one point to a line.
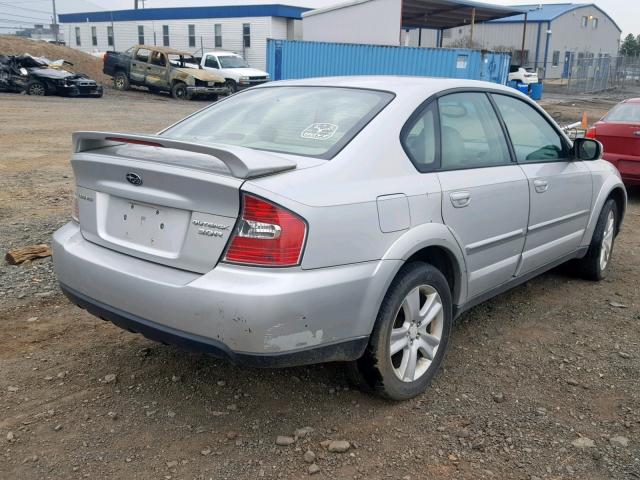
334	219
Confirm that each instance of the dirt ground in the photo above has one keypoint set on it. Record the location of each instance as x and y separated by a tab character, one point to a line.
540	383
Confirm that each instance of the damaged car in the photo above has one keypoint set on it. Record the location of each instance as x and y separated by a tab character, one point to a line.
39	76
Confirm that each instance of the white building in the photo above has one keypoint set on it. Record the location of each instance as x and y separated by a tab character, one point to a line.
557	36
243	29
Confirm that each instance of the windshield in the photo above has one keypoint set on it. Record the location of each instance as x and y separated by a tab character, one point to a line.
232	61
312	121
624	112
187	61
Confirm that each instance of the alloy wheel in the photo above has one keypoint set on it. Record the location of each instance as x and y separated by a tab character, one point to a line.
607	241
416	333
36	89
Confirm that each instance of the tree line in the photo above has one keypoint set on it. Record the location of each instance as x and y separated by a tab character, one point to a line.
630	46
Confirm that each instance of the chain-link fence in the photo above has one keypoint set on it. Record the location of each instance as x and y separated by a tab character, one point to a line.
590	74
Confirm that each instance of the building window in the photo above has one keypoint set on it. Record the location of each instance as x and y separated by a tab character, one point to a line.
246	35
141	34
594	23
217	28
585	21
94	36
556	58
78	36
110	36
516	58
165	35
192	35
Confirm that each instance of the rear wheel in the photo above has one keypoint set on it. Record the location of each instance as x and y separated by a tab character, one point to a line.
121	81
593	265
179	91
36	88
410	337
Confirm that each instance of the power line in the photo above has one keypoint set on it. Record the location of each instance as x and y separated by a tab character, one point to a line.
23	16
23	8
13	20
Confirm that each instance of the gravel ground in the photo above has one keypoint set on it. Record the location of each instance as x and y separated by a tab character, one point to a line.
540	383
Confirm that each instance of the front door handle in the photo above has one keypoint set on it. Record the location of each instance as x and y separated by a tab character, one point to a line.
460	199
541	185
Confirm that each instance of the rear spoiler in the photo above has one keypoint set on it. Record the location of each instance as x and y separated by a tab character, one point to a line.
241	161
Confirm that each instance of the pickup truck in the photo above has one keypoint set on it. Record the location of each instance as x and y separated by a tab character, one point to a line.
162	69
235	69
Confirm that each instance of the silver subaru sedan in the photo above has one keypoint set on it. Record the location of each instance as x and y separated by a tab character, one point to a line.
342	219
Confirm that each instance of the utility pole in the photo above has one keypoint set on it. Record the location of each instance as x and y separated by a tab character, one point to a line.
55	22
135	4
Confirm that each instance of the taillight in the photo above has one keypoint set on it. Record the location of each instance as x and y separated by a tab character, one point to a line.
266	235
591	133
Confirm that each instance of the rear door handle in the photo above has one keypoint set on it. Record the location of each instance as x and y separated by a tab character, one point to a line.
460	199
541	185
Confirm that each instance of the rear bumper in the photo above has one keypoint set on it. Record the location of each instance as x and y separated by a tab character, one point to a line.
348	350
627	165
268	317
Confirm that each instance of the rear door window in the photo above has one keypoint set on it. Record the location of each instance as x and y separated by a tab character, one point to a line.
142	55
471	135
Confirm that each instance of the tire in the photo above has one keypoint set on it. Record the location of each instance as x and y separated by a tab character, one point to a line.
232	86
179	91
593	266
121	81
36	88
397	377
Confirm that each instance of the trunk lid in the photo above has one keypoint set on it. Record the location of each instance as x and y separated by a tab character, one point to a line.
618	137
162	200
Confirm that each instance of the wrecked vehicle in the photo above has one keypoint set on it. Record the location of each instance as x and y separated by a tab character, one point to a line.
39	76
162	70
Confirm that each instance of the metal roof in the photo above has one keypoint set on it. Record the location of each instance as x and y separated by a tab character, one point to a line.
443	14
548	12
437	14
185	13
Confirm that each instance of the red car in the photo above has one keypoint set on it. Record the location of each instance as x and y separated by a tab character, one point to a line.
619	132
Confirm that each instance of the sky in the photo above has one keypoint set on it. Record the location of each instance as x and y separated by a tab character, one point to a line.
13	13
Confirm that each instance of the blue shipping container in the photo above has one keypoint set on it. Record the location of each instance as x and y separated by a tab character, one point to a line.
289	59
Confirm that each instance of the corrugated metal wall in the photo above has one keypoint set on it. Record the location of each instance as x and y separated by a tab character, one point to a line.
299	59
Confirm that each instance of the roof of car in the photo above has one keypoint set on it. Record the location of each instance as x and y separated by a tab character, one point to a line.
396	84
167	50
631	100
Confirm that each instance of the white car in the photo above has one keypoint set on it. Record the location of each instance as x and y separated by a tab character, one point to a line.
234	69
523	75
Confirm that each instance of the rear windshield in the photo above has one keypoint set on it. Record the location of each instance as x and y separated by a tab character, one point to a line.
624	112
311	121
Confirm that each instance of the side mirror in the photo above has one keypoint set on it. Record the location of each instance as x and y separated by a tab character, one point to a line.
587	149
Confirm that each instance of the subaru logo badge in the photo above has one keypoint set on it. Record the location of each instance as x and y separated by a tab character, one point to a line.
134	178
